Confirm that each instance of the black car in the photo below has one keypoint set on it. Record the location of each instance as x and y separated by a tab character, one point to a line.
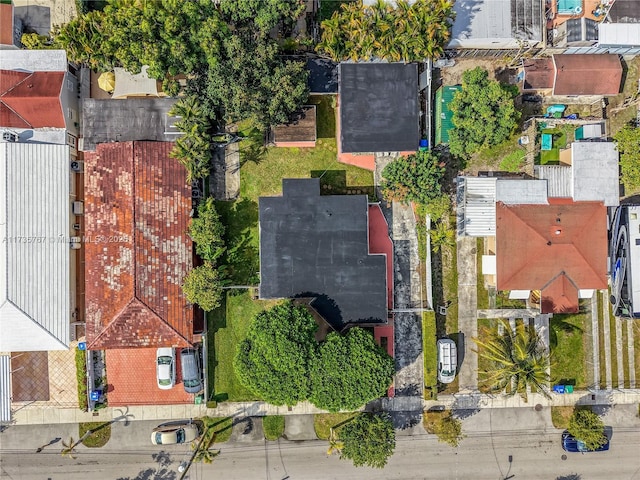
571	444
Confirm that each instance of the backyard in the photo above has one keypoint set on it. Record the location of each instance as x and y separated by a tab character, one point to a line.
560	136
261	174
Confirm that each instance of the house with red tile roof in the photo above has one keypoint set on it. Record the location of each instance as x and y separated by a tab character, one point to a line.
10	27
39	96
572	75
137	251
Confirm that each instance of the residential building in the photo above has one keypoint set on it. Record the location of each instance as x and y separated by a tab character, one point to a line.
137	254
573	75
39	97
546	237
10	27
624	252
378	111
327	248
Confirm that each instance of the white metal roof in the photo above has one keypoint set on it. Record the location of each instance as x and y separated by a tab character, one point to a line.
595	172
619	34
559	179
479	208
34	256
34	60
521	192
5	388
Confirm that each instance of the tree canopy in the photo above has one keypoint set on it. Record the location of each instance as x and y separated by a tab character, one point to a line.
484	113
517	358
628	142
207	231
587	427
349	370
405	32
368	440
273	361
233	66
414	178
203	286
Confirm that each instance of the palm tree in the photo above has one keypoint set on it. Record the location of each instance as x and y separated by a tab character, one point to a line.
189	109
68	448
335	445
442	236
518	361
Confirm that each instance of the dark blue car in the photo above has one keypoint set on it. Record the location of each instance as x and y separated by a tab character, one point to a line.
570	444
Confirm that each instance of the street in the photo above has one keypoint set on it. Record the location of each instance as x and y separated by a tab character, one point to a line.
534	455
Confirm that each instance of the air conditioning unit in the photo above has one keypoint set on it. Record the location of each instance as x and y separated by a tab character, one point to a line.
76	166
8	136
78	208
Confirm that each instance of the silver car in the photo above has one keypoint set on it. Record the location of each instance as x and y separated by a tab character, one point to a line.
447	360
175	432
165	368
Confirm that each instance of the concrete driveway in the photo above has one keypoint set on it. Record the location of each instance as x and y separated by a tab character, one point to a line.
299	427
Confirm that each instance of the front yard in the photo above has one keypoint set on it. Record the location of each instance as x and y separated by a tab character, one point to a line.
568	344
261	174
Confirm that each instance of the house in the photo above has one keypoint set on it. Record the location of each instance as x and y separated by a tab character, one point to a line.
624	252
378	111
137	254
324	247
497	24
37	269
548	234
444	115
39	97
573	75
10	27
299	132
107	120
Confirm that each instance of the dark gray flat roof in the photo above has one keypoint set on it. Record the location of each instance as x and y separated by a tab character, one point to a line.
313	245
625	11
379	108
107	120
323	75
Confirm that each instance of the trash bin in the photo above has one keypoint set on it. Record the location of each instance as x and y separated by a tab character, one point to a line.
95	395
558	388
424	144
568	389
82	345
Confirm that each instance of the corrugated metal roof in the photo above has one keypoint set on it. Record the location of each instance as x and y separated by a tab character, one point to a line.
479	209
619	34
34	257
559	179
138	203
595	172
444	115
5	388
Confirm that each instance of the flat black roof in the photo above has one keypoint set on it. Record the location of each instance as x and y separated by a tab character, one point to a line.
131	119
379	108
318	246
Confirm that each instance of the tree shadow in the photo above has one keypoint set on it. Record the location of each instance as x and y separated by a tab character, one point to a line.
405	420
570	476
162	458
465	406
334	182
153	474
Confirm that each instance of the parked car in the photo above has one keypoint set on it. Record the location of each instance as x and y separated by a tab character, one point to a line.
571	444
175	433
447	360
191	371
165	368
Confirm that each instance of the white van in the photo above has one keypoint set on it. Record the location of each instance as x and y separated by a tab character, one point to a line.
447	360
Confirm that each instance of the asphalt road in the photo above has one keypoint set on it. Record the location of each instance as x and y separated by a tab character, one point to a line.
534	455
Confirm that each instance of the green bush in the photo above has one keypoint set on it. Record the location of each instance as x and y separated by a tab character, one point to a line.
273	426
81	377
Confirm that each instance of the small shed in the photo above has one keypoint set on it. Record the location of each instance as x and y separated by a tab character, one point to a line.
589	131
444	115
300	132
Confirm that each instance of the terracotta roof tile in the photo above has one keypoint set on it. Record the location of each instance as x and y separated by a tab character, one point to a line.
31	100
6	23
536	243
138	252
538	73
589	74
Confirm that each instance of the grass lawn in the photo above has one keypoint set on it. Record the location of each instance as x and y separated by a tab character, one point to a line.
273	426
560	416
618	119
229	325
324	422
499	157
636	345
513	161
601	353
100	436
625	354
562	135
221	427
430	353
568	346
485	325
450	286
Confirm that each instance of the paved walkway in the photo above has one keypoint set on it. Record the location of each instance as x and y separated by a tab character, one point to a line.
467	314
606	334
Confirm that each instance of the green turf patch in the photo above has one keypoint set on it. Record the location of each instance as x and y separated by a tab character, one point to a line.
324	422
567	343
100	436
430	352
273	426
